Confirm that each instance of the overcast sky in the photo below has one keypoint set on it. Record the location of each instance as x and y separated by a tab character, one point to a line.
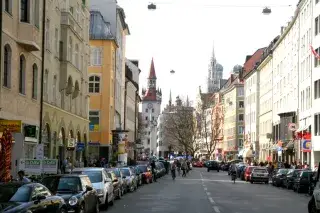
180	35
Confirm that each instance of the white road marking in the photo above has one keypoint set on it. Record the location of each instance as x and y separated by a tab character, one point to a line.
205	189
211	200
216	209
208	193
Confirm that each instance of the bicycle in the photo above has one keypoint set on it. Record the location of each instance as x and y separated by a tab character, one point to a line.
233	177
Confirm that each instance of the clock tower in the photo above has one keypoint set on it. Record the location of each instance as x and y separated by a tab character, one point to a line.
151	109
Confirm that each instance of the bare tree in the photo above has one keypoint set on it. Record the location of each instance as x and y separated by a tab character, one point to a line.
210	128
180	127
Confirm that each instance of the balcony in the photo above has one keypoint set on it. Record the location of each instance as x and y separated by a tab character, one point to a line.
68	19
29	37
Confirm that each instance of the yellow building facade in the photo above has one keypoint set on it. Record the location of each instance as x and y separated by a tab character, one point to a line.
101	84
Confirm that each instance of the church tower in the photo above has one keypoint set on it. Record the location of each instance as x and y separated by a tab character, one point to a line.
151	109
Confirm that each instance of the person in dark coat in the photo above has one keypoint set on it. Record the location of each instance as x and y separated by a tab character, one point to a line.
153	168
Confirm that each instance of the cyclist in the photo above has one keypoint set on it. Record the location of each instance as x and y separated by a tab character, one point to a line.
233	171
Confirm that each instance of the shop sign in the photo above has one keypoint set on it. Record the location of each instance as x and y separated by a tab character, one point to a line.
36	167
14	126
306	145
71	143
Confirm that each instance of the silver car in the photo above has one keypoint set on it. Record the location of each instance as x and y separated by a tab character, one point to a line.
259	175
131	180
100	181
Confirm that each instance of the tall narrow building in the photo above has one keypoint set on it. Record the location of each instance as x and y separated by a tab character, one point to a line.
215	74
151	108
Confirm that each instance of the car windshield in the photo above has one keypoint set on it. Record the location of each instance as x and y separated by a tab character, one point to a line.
94	176
117	172
69	184
14	193
283	171
125	172
143	168
260	170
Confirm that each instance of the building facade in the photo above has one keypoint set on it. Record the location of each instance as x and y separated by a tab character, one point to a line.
21	64
265	70
233	96
251	78
151	109
103	48
119	28
217	120
132	100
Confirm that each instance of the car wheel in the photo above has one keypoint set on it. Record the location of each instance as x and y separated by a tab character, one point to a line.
266	182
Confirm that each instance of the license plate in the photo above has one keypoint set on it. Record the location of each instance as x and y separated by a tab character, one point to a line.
260	175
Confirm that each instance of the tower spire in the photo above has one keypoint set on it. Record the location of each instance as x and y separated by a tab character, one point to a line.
187	102
152	72
170	98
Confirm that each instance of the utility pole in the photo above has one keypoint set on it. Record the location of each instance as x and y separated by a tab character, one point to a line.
42	68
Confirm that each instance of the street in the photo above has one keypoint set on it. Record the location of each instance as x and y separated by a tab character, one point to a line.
203	192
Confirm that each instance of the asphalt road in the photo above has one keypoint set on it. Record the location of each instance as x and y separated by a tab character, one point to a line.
209	192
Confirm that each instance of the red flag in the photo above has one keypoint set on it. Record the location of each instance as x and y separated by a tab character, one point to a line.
315	53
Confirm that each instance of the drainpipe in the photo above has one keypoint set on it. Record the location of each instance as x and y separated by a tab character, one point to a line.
1	8
125	105
42	68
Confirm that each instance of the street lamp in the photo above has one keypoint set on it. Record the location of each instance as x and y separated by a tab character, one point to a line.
266	11
152	6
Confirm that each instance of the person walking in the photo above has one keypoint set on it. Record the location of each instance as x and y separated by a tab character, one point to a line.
153	170
22	178
184	168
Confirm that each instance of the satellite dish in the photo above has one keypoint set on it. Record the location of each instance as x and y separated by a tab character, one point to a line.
152	6
266	11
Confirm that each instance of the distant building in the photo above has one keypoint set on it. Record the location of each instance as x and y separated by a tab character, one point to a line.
215	74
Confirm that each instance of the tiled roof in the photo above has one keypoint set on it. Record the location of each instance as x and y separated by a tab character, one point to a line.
151	95
251	62
152	72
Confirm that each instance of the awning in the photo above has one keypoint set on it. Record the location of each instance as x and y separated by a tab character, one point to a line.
241	152
248	153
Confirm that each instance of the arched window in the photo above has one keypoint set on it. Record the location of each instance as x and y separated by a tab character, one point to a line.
7	66
34	81
22	75
70	50
47	34
45	85
94	84
76	55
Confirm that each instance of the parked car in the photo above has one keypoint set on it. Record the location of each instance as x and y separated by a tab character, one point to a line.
100	181
291	175
146	173
213	165
198	164
247	173
20	197
301	182
116	184
130	178
138	173
279	176
122	181
76	190
259	174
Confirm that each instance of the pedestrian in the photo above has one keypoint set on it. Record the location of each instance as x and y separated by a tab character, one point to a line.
184	168
153	170
22	178
166	165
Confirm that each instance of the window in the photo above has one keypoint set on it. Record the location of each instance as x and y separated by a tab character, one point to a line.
148	141
240	91
241	104
94	117
146	118
22	75
70	50
36	13
7	66
317	89
45	84
54	88
240	143
152	110
94	84
241	117
34	81
153	118
47	35
8	6
317	124
24	11
240	130
76	55
56	40
96	56
146	110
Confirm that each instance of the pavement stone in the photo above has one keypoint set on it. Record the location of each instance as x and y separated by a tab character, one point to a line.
210	192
